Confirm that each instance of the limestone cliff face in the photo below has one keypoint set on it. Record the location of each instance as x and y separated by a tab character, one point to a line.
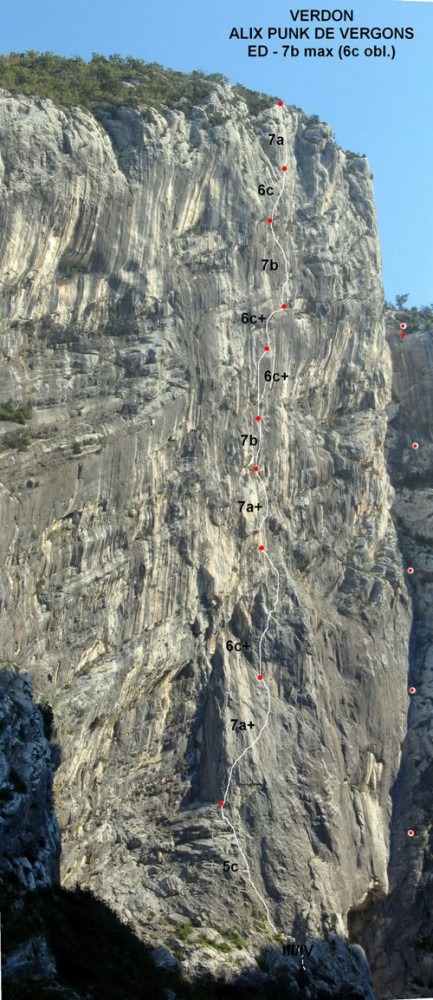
129	249
396	931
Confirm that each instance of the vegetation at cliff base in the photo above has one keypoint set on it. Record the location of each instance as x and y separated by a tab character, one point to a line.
117	80
97	957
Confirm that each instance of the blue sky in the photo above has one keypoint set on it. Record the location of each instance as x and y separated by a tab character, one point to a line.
380	107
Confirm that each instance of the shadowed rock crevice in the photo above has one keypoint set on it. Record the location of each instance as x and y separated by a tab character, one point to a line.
29	830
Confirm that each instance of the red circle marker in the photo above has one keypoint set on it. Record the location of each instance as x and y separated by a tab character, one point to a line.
411	833
261	548
266	348
410	570
259	677
283	168
280	104
403	326
258	418
412	690
284	306
256	468
270	220
415	445
221	804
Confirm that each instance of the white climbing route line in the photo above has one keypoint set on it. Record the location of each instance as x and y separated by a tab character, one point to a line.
230	824
270	613
261	527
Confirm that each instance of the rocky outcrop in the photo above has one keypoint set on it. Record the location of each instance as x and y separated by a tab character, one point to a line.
29	831
396	931
131	247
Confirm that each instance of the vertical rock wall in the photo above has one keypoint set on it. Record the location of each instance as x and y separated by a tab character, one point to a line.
128	253
397	930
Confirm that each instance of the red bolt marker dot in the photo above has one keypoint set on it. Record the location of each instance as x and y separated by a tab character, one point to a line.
259	677
412	690
411	833
270	220
261	548
415	445
256	468
402	335
410	569
284	306
283	168
220	804
403	326
280	104
258	418
266	348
